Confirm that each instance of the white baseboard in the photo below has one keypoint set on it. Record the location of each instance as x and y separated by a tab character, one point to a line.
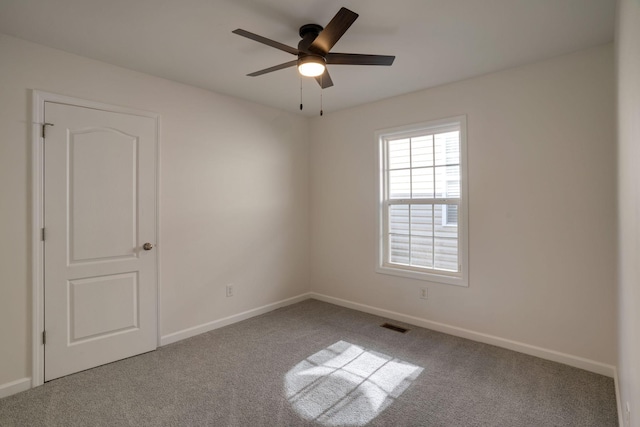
543	353
209	326
15	387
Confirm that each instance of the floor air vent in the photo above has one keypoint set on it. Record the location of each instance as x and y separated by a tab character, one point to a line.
395	328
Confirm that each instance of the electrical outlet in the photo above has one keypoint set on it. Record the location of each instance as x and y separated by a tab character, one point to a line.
423	293
229	290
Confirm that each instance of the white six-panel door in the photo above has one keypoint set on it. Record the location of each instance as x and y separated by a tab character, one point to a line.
100	288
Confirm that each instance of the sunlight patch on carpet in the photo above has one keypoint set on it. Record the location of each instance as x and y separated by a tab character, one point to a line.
346	385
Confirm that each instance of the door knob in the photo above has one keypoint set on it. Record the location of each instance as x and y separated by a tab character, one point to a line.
147	246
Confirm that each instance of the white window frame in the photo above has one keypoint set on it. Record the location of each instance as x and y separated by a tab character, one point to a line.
383	266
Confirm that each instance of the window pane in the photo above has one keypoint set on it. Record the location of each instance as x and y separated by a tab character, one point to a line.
398	249
446	238
441	227
399	219
422	251
399	153
399	184
448	181
422	151
447	148
446	254
422	183
422	220
451	216
453	147
453	187
441	181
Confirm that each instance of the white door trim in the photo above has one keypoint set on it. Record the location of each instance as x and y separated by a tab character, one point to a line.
37	246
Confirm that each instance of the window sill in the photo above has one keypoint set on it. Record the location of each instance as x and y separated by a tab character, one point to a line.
428	277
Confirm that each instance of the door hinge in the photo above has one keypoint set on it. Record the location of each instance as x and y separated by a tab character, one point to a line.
44	337
44	129
42	234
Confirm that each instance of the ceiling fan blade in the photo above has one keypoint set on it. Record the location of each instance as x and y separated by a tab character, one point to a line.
358	59
274	68
333	31
264	40
324	80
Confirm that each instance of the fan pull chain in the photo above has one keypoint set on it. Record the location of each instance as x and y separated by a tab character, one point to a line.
321	89
300	93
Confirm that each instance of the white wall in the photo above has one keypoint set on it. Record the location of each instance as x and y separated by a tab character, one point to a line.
542	203
628	61
234	193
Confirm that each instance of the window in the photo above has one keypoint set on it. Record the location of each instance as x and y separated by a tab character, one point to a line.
422	204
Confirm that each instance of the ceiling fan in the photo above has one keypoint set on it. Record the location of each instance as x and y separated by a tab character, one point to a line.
313	50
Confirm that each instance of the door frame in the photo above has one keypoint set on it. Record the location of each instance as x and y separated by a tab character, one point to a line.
37	211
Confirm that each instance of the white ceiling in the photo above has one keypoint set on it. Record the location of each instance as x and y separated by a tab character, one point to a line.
190	41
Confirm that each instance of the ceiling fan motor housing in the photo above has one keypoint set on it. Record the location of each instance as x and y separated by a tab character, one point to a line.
308	32
310	29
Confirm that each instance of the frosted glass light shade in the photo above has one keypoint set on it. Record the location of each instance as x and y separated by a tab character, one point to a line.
311	66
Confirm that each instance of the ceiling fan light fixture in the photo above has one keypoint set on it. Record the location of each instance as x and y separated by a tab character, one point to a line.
314	50
311	65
